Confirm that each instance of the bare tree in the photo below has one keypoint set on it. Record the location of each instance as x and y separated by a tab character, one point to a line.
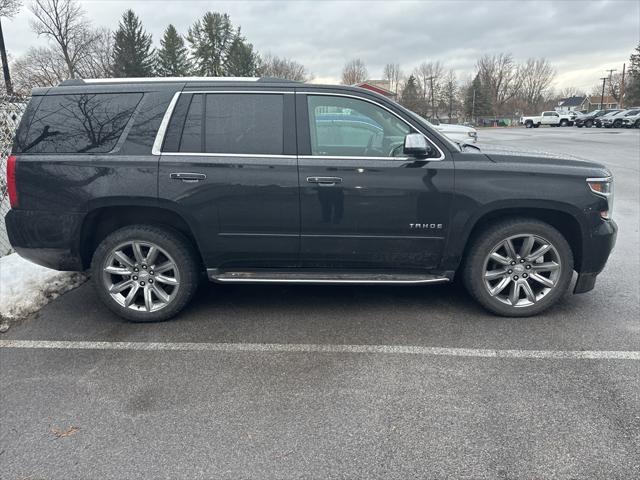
614	84
500	75
568	92
536	76
272	66
429	76
354	72
393	74
38	67
8	8
64	22
97	59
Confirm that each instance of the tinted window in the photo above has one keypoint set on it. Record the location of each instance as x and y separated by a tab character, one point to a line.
244	123
233	123
84	123
342	126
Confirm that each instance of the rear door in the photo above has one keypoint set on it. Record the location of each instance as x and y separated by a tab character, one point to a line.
228	164
363	204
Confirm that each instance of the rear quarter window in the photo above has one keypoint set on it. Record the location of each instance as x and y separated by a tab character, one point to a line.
81	123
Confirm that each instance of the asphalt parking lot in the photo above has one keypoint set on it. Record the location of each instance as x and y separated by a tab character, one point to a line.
341	382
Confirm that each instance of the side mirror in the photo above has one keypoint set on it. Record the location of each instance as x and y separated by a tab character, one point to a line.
415	145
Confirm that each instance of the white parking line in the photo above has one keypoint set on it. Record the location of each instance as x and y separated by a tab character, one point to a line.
319	348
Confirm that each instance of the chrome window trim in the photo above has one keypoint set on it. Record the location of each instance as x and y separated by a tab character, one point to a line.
226	155
357	97
162	130
164	124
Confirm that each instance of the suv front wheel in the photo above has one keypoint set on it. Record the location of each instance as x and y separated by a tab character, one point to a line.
518	268
145	273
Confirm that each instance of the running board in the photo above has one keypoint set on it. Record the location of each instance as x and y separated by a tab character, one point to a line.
322	278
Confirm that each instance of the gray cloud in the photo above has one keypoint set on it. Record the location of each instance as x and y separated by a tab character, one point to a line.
581	38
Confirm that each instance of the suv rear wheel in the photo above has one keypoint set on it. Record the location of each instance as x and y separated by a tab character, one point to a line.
518	268
145	273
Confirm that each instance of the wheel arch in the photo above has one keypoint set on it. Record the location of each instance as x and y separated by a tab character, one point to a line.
562	220
101	220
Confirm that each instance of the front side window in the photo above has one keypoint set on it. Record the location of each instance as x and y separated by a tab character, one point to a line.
243	123
348	127
82	123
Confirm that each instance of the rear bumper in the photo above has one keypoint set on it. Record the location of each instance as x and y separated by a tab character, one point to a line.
596	251
46	238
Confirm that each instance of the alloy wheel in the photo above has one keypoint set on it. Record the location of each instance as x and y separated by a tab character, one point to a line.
141	276
521	270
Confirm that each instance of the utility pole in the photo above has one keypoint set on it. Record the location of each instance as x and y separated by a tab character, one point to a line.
431	83
604	80
611	70
5	64
624	65
473	107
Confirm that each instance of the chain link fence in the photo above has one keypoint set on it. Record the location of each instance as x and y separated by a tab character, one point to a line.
11	109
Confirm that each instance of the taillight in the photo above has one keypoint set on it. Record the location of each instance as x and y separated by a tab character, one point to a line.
11	181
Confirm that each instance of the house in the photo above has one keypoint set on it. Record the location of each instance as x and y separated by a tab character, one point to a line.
378	86
593	103
570	104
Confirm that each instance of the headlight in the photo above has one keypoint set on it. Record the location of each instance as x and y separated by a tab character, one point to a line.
472	134
603	187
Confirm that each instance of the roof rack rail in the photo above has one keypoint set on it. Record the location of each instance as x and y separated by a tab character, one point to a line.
80	81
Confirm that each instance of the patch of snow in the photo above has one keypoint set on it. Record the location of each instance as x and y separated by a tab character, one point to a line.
26	287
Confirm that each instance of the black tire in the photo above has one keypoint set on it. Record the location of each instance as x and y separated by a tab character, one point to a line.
617	123
477	262
174	249
564	123
536	125
588	123
637	124
579	125
528	124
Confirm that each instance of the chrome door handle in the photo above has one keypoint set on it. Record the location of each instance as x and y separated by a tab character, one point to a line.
188	177
326	181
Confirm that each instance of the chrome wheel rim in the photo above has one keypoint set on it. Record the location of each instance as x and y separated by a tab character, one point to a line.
521	270
141	276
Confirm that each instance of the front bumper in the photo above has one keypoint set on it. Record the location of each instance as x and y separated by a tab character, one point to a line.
595	253
46	238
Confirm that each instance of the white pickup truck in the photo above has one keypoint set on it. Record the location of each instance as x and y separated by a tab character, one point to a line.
551	118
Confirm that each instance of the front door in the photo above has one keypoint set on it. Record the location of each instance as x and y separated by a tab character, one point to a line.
363	204
229	166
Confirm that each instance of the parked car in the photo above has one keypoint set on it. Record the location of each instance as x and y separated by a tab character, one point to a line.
616	120
152	184
588	119
551	118
631	121
598	121
458	133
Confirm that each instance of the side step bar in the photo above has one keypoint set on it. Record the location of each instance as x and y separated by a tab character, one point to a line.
322	278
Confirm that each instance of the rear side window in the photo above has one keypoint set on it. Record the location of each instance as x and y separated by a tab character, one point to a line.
246	124
83	123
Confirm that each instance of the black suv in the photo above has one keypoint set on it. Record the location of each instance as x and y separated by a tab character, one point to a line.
153	184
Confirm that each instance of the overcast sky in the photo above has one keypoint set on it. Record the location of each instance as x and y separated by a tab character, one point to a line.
581	38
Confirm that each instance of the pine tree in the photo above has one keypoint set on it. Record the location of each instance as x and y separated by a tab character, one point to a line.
632	91
241	61
132	52
477	101
211	38
173	57
410	97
